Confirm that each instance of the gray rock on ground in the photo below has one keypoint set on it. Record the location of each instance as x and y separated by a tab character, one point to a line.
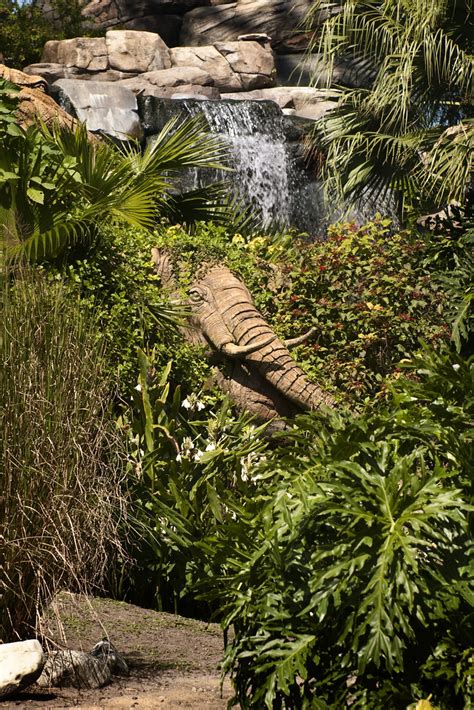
21	663
82	670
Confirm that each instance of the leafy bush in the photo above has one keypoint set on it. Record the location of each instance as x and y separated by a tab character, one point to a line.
58	186
188	452
349	579
24	29
61	461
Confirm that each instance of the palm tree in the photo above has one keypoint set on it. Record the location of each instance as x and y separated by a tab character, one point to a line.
57	185
412	129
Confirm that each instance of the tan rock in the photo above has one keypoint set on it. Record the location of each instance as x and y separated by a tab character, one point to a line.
34	102
82	52
210	60
176	76
133	51
247	57
50	52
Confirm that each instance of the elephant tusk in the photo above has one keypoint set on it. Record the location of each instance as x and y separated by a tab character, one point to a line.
293	342
234	350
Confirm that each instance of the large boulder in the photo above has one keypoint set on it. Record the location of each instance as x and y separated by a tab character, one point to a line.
220	22
190	81
131	51
21	664
234	66
101	105
88	53
34	103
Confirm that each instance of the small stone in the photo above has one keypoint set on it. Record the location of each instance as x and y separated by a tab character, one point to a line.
21	664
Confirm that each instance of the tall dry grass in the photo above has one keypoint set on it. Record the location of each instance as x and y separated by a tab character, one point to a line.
60	459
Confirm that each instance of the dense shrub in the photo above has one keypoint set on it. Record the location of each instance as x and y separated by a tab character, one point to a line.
342	557
61	463
24	29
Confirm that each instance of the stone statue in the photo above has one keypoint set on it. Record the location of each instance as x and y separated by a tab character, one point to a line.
253	366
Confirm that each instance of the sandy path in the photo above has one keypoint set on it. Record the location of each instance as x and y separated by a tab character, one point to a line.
173	661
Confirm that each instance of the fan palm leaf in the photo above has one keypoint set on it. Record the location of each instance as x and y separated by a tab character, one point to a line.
94	180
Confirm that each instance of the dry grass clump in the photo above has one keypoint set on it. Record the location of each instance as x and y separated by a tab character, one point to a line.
60	459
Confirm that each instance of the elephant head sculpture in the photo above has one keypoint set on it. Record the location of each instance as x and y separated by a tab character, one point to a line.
253	366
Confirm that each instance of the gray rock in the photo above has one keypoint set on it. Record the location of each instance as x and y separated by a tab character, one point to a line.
83	670
21	664
103	106
167	26
289	97
74	669
51	72
132	51
280	19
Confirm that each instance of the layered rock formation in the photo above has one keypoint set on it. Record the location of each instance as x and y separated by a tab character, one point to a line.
204	22
142	62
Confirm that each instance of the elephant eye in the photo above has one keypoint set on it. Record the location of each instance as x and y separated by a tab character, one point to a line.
196	295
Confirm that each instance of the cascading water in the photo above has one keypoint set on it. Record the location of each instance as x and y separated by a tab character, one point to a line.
267	175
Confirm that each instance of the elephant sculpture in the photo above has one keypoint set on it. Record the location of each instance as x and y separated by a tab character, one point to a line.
253	366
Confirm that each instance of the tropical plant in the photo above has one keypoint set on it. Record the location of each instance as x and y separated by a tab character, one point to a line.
368	292
411	130
188	451
57	185
349	579
61	461
24	28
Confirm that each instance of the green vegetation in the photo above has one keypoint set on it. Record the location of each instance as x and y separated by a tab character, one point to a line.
62	464
339	550
24	29
412	128
58	186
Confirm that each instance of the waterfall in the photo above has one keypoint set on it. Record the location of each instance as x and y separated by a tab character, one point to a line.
267	174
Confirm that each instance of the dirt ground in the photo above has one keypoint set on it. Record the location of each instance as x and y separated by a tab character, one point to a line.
173	661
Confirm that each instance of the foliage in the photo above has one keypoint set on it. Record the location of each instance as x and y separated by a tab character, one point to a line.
345	563
61	461
116	283
24	28
412	128
369	293
451	255
57	185
188	452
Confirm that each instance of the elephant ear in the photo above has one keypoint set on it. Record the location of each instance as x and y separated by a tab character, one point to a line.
162	265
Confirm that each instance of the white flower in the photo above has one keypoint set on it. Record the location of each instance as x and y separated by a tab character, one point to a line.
192	402
179	458
211	446
198	454
456	367
138	387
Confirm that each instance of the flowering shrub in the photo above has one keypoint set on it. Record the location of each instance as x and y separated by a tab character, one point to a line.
188	454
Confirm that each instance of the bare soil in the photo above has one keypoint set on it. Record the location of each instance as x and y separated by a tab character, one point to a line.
173	661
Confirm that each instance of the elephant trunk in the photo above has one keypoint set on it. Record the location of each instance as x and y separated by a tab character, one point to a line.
270	358
274	362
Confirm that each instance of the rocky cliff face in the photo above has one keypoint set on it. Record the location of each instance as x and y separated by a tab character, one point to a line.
203	22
